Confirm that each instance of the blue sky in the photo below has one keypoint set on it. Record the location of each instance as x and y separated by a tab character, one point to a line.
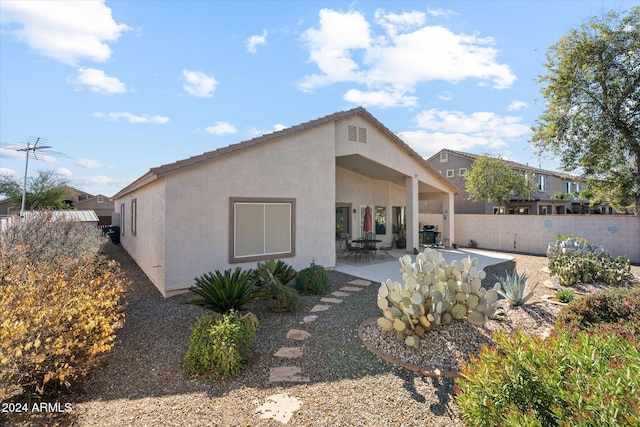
124	86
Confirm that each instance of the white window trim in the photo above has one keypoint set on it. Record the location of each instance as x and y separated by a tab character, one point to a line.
462	171
444	157
451	173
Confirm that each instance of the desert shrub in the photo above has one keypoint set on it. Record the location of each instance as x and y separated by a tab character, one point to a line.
55	323
58	303
514	288
224	292
590	268
565	295
41	239
280	270
614	311
220	344
312	279
590	380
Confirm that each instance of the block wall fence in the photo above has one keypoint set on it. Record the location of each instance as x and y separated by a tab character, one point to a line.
619	235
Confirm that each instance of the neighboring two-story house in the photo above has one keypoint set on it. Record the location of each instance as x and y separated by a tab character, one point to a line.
555	195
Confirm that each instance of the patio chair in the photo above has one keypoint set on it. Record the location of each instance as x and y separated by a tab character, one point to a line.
386	249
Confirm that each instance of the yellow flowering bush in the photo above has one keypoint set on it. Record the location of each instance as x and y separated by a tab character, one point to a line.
55	319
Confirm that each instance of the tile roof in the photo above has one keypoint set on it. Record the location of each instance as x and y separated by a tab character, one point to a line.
515	165
163	170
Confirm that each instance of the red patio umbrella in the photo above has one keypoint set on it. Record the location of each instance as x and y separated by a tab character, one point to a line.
367	220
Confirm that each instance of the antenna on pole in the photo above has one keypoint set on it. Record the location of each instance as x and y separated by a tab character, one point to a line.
33	148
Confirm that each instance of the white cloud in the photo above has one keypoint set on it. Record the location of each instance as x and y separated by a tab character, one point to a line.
427	144
330	47
99	82
516	105
279	126
221	128
88	163
64	172
457	130
402	54
8	172
93	180
12	154
198	84
65	31
254	41
132	118
379	98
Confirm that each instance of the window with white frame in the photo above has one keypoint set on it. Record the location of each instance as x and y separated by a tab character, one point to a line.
462	171
100	199
444	157
261	229
567	187
450	173
541	182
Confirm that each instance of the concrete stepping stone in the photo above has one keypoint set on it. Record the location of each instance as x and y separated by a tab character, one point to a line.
546	270
287	374
331	300
359	282
289	352
308	319
298	335
340	294
351	289
279	407
320	307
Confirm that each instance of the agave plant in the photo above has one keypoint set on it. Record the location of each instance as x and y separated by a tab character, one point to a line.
514	288
280	270
224	292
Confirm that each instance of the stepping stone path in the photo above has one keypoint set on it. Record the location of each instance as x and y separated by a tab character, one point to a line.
281	407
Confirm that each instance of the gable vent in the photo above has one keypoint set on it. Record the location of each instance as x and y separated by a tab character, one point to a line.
357	134
352	131
362	135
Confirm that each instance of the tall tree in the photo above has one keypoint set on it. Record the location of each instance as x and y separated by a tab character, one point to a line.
492	179
44	191
592	116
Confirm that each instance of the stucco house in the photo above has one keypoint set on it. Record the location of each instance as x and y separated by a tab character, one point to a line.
282	195
452	165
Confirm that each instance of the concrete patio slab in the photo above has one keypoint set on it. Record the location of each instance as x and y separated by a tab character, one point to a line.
380	272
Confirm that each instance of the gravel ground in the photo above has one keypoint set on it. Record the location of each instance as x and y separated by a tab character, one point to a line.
140	382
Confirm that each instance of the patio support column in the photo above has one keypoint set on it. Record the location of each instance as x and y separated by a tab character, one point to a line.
411	186
448	232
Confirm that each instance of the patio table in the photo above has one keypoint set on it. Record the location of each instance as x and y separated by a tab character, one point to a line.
366	247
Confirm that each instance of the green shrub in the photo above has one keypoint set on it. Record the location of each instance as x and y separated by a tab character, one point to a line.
565	295
614	311
223	292
220	344
282	271
590	268
592	380
312	279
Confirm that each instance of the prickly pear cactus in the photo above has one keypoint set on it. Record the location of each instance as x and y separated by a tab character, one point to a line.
433	293
573	247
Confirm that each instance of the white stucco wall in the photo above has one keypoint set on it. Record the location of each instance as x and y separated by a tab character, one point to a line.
620	235
197	211
147	246
358	190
